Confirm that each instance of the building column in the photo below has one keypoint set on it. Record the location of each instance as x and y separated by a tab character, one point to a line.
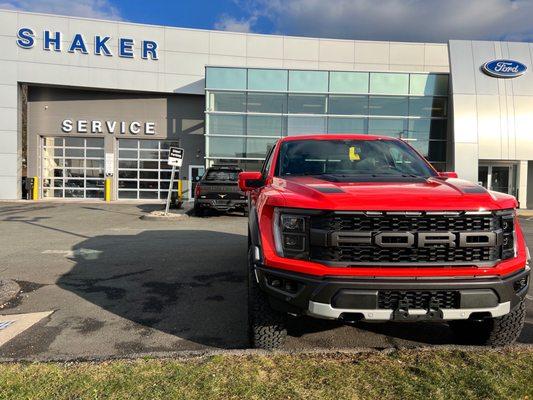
522	183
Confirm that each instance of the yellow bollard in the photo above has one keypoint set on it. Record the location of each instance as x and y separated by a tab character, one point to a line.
107	189
180	189
35	191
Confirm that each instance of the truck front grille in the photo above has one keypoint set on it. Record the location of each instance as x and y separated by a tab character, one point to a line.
352	238
441	299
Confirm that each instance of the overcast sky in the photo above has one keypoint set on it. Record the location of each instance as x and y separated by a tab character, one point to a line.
401	20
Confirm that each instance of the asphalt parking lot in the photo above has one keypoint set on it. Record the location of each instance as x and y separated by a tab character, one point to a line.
110	284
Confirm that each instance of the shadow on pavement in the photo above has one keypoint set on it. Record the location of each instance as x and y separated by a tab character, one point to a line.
191	284
188	283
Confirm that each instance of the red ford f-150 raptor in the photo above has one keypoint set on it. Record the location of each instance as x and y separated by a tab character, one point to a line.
360	227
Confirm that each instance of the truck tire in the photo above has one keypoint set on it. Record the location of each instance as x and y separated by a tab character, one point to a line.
267	327
499	331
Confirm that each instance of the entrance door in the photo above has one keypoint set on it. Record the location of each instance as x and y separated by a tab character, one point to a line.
195	174
499	177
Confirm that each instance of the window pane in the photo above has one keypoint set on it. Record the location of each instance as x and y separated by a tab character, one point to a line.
432	150
226	124
259	125
148	164
267	102
306	125
391	106
307	104
125	194
389	83
95	143
225	78
226	147
127	164
429	84
127	184
386	127
128	153
147	154
95	153
127	174
425	129
149	144
74	152
148	195
346	125
74	142
227	101
127	144
428	106
348	82
258	148
348	105
267	79
308	81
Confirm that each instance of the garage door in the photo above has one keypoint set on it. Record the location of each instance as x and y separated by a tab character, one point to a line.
73	167
143	172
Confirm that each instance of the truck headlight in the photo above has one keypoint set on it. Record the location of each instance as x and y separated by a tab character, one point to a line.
508	235
291	235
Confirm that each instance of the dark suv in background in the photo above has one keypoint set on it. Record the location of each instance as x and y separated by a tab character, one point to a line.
218	190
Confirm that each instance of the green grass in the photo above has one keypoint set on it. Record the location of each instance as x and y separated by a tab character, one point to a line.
405	374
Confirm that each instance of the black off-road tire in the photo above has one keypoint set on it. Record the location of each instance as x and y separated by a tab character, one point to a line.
499	331
267	327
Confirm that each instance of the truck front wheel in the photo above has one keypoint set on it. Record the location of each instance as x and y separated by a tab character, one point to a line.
499	331
267	327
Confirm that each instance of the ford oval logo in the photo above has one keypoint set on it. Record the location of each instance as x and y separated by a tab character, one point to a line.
504	68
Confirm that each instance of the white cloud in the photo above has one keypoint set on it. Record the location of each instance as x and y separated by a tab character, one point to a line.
101	9
404	20
229	23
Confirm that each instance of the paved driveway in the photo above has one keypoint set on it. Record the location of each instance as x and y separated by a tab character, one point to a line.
119	285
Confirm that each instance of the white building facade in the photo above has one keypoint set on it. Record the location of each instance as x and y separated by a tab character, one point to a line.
83	99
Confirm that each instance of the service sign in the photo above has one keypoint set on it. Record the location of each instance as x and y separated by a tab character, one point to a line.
175	156
504	68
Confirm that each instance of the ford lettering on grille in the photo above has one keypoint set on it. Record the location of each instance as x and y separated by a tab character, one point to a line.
416	239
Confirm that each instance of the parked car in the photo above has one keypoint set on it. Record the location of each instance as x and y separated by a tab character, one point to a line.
218	190
360	227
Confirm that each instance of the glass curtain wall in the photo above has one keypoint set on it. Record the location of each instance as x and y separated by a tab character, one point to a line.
248	109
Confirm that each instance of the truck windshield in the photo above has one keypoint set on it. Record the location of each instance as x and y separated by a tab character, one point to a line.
222	175
351	158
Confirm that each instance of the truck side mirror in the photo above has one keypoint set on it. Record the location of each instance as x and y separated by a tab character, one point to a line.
448	175
250	180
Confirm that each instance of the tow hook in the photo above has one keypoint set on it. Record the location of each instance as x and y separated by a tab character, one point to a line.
404	313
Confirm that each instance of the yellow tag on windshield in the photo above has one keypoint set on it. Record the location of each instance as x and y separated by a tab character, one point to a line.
353	155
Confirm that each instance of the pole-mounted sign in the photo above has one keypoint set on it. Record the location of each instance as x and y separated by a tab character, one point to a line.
175	159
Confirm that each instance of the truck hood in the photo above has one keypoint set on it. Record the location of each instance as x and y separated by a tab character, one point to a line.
408	194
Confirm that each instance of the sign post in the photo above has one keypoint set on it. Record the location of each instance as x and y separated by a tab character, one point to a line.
175	159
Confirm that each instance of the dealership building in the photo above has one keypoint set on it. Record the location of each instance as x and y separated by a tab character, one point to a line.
82	100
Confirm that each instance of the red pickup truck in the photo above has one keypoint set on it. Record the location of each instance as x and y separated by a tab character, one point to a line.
360	227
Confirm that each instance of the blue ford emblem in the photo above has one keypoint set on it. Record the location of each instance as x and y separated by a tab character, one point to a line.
504	68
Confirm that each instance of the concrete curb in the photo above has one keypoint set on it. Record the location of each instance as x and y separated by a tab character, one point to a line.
8	291
525	213
201	354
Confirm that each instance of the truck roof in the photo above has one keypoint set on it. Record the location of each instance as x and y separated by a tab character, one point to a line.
344	136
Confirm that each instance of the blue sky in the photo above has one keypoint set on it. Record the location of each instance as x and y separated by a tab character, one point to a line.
401	20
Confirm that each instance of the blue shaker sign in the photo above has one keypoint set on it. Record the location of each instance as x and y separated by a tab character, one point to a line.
504	68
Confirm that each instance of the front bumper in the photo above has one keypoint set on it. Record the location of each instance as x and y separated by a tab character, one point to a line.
222	205
357	298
